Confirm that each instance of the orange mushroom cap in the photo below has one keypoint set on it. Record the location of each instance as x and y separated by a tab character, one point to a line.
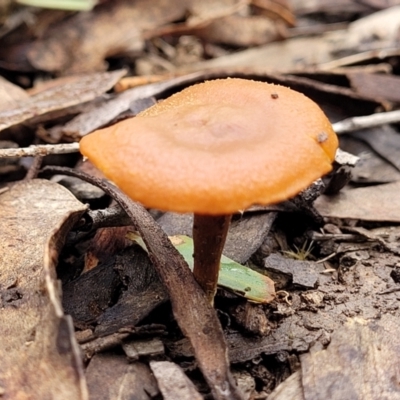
217	147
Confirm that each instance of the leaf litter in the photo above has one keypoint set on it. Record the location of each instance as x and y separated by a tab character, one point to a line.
31	315
345	56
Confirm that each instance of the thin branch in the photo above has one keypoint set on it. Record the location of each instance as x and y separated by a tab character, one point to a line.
347	125
40	150
94	219
368	121
34	168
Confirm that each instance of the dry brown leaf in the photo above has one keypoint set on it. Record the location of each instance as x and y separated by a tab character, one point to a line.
10	94
280	10
39	355
278	56
237	30
231	22
371	168
377	31
376	86
105	111
83	89
81	43
374	203
384	140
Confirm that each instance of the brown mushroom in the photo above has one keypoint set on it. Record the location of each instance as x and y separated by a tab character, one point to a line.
213	149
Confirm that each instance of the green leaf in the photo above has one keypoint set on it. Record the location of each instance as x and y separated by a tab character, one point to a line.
233	276
73	5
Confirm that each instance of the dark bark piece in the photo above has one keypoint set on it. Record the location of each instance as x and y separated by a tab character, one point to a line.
290	336
91	344
136	348
246	235
86	297
94	345
303	274
361	362
82	191
144	292
252	318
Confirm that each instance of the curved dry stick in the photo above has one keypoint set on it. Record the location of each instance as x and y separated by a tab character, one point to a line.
195	316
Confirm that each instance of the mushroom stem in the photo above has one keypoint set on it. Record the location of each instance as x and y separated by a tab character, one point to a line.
209	235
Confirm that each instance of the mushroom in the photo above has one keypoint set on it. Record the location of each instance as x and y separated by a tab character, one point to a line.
213	149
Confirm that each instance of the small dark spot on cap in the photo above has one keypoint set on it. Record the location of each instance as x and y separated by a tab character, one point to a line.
322	137
274	95
206	330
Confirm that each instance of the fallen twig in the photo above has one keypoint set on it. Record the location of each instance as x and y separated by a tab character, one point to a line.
368	121
192	310
344	126
34	168
40	150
